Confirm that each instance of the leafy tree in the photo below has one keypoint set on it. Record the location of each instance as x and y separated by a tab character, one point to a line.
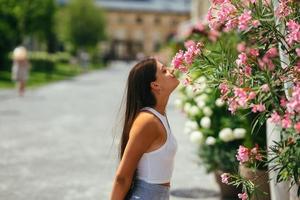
85	24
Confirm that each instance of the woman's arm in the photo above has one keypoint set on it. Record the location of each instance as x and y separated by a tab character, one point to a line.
143	133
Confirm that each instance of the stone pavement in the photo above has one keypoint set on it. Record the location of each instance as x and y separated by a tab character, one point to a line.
58	142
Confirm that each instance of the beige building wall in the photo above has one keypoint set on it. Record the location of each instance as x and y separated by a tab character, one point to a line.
131	32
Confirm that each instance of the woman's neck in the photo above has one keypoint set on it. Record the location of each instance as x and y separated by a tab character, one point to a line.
161	106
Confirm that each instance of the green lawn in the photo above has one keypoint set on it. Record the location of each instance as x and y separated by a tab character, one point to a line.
36	79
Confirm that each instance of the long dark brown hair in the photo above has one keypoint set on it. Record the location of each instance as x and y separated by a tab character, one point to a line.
138	95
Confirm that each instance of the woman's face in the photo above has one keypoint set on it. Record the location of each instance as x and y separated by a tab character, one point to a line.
165	78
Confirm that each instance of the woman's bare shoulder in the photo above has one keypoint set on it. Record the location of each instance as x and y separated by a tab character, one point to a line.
145	122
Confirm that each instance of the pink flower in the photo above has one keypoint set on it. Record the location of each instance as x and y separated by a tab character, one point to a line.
293	32
189	43
286	122
242	58
200	27
187	81
272	53
216	2
192	51
275	118
283	102
298	52
230	24
223	88
251	95
255	153
225	177
241	47
213	35
265	88
243	154
243	196
294	103
232	105
254	52
297	127
258	107
178	59
283	9
255	23
248	70
240	96
244	20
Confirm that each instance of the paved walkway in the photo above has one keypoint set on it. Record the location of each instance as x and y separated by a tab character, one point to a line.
57	142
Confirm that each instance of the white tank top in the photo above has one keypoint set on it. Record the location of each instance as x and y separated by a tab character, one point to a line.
156	167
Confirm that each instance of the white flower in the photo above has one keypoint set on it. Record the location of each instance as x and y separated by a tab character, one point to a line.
207	111
196	137
190	91
208	90
178	103
203	97
220	102
187	130
194	110
226	135
239	133
187	107
210	140
202	87
205	122
201	79
200	102
191	125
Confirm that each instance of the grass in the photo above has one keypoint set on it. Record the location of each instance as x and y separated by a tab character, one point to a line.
36	79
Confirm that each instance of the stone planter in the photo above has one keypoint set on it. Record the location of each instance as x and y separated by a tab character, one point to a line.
226	191
260	178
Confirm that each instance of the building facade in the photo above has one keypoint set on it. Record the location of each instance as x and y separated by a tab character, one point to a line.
141	27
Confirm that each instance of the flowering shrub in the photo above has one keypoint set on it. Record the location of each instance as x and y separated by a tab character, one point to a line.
211	126
264	77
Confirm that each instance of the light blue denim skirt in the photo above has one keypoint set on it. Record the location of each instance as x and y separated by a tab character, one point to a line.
142	190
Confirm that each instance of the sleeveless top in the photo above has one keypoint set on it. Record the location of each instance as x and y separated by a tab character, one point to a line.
156	167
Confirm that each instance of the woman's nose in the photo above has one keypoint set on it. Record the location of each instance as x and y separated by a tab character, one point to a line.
171	70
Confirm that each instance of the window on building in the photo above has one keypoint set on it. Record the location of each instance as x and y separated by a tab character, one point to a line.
139	20
157	20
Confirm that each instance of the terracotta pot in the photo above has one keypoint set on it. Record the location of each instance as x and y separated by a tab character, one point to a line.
227	191
260	178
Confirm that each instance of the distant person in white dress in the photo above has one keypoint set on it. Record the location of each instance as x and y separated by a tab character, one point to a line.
20	68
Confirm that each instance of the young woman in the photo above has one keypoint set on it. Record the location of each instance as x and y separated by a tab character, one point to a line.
147	145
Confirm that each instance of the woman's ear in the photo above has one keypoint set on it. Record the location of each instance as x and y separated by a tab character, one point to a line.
154	86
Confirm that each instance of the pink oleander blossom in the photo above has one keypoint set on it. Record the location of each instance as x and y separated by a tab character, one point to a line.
297	127
230	24
241	47
265	88
293	32
223	88
275	118
225	178
217	2
189	43
283	9
213	35
251	95
293	104
242	59
241	96
243	154
232	105
248	70
258	107
286	122
298	52
243	196
178	60
255	23
244	20
254	52
272	52
283	102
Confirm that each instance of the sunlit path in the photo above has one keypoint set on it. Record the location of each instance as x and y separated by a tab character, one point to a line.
56	142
